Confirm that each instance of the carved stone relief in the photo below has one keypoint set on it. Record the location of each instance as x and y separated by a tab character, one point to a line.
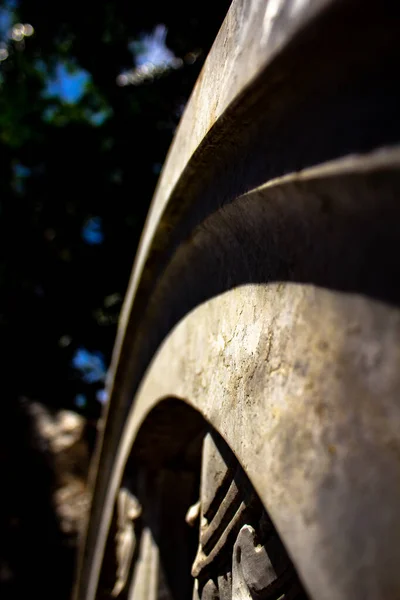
240	556
129	510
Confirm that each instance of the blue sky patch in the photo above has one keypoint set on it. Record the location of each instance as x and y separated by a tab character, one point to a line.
92	231
67	84
90	364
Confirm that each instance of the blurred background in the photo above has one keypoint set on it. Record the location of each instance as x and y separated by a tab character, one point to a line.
90	96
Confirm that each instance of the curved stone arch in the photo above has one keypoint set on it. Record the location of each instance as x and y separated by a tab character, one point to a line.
303	466
282	118
297	366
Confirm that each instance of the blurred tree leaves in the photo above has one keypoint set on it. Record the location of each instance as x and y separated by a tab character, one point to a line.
77	148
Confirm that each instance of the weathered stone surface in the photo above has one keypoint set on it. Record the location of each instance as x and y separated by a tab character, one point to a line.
272	313
319	365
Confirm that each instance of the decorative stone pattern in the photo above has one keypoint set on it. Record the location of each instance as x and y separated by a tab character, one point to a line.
240	556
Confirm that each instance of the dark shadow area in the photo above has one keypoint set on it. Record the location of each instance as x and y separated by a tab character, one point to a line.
330	92
34	552
163	471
